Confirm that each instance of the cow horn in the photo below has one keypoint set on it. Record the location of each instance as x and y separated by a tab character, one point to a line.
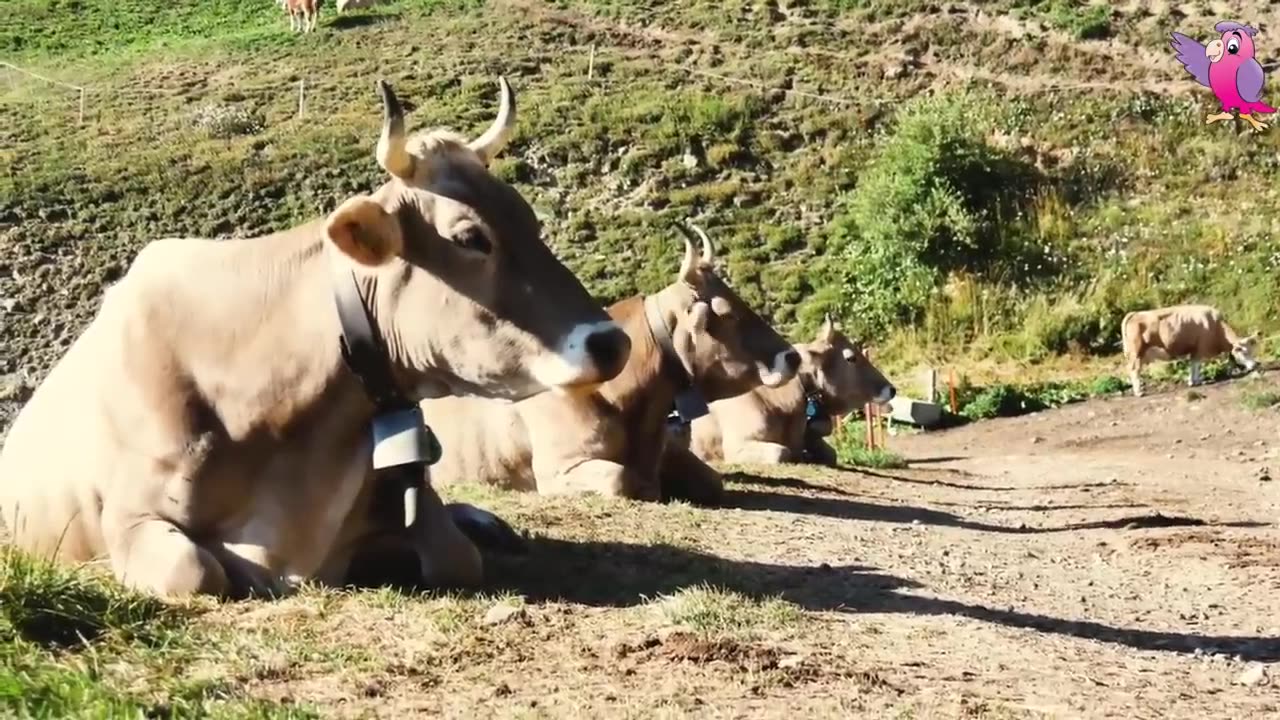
410	505
708	252
488	145
690	261
393	155
828	326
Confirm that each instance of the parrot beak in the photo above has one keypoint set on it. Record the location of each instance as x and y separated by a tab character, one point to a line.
1214	51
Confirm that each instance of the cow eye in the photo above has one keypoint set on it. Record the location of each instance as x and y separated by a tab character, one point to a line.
473	238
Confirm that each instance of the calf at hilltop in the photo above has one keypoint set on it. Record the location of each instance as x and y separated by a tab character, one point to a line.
696	332
209	431
1198	332
771	425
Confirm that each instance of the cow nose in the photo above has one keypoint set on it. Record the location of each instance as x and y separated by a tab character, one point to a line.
792	359
888	393
609	349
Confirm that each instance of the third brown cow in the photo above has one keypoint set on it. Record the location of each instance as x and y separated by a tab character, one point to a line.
771	425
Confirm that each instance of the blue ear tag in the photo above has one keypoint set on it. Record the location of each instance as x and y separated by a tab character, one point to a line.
401	437
810	408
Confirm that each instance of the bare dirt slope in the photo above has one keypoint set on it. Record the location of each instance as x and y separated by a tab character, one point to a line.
1111	559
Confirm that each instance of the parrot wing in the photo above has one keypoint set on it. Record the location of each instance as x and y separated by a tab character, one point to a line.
1191	54
1249	80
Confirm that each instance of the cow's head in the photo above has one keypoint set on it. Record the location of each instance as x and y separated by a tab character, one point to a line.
1243	351
451	261
723	344
838	369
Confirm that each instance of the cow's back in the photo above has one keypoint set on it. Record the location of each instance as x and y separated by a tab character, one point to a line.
482	440
60	452
1176	331
770	415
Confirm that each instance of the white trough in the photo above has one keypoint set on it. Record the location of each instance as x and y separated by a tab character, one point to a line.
916	412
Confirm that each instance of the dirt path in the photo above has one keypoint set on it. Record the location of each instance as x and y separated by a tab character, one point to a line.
1111	559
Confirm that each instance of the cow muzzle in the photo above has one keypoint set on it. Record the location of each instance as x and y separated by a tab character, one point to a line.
885	396
591	354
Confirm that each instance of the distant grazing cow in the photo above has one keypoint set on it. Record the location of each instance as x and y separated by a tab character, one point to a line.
303	14
1170	333
611	442
207	432
770	425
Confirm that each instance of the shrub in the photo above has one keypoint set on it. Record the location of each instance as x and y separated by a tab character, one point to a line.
1108	385
931	201
1084	23
849	442
1261	400
1000	401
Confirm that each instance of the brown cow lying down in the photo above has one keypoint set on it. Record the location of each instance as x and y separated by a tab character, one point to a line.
769	425
203	433
612	442
1195	331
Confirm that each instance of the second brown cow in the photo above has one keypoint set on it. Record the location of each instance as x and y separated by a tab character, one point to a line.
696	331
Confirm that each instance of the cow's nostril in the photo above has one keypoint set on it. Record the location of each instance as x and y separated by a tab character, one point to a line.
890	392
609	350
792	359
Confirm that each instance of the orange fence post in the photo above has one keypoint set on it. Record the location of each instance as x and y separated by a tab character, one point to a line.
866	429
951	386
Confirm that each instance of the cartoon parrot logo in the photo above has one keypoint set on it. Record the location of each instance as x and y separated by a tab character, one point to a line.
1228	68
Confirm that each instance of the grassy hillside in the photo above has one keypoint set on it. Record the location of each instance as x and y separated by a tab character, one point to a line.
987	185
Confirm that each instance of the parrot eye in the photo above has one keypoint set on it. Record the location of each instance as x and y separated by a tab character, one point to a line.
1233	46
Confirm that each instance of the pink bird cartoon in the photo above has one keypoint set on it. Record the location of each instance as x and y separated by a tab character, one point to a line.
1228	68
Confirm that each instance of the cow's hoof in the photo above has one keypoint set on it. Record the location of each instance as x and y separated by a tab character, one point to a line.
486	530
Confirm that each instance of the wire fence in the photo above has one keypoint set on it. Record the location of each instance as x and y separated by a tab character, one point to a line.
306	91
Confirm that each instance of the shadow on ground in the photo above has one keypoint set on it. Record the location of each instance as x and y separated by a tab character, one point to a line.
615	574
350	22
871	512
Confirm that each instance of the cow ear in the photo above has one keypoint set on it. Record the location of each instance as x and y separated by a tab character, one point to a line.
685	335
698	315
364	231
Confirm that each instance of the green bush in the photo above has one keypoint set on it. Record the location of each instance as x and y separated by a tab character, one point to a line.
1001	401
933	200
1108	385
1092	22
1261	400
849	442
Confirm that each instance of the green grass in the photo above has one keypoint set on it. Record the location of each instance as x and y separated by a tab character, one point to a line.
849	442
904	211
1260	399
716	611
73	643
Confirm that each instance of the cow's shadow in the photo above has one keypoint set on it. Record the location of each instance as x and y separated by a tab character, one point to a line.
618	574
847	509
351	22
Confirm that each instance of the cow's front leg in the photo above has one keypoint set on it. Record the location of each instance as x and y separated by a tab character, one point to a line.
250	568
154	555
600	477
1194	375
820	452
683	476
758	452
485	529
